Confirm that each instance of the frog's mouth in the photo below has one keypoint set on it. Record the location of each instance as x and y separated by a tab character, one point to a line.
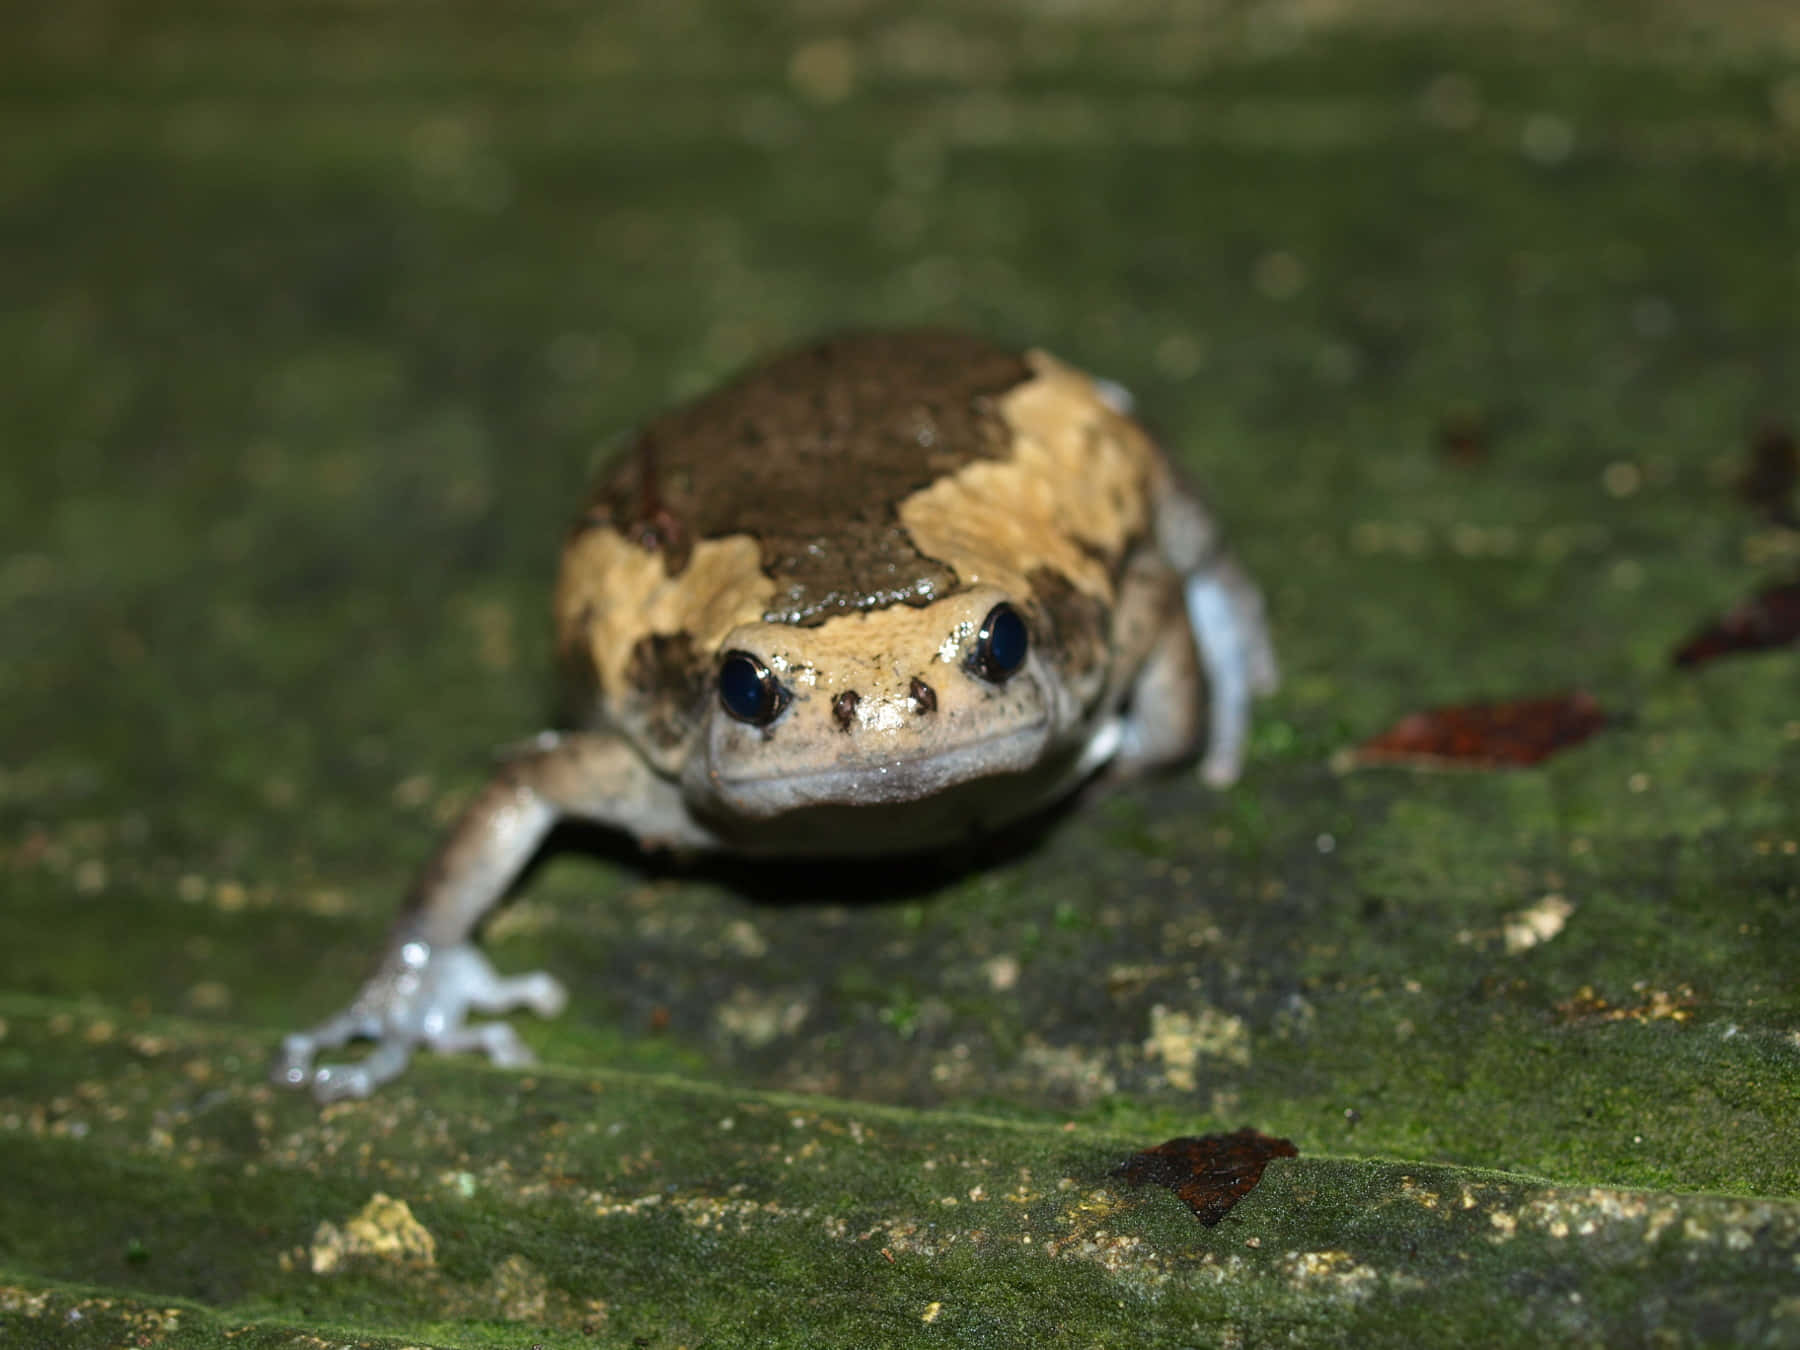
896	805
892	780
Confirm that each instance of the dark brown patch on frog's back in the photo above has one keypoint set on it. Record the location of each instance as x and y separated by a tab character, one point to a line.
811	455
667	686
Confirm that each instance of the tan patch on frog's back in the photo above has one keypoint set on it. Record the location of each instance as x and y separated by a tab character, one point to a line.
612	594
1072	497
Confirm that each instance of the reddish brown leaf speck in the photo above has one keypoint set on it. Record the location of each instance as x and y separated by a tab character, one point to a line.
1769	619
1210	1172
1505	735
1463	438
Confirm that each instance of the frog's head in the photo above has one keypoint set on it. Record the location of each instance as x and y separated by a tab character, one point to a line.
887	706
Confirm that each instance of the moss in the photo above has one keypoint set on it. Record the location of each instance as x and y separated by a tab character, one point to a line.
318	330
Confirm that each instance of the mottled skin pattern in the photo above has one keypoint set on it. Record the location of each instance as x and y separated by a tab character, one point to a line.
811	456
847	520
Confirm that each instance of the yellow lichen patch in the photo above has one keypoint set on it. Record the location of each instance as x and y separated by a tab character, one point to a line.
1523	929
612	592
1178	1039
384	1229
1068	1071
1120	1254
1002	974
1656	1005
1074	491
519	1290
761	1017
1331	1273
105	1320
1597	1210
1733	1225
1537	924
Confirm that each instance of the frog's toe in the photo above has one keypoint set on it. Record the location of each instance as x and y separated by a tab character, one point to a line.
1222	765
461	980
293	1067
498	1041
543	994
334	1082
539	991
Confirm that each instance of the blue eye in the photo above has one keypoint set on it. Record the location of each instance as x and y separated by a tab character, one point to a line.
748	691
1001	644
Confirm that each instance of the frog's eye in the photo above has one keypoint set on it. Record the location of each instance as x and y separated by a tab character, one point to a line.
748	691
1001	644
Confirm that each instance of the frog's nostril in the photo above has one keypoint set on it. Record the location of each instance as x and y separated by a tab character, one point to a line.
923	695
843	707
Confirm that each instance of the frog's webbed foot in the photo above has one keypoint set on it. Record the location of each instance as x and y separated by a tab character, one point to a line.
1225	611
433	977
421	997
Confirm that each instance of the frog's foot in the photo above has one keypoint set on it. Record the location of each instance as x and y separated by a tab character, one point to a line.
421	997
1225	611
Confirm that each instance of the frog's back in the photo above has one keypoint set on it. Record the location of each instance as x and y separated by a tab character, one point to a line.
811	456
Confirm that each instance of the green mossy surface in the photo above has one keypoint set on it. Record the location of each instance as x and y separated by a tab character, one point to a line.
318	318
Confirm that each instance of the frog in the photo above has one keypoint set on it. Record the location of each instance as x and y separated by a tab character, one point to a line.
887	592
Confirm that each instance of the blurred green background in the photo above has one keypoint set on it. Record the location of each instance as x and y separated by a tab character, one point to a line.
317	318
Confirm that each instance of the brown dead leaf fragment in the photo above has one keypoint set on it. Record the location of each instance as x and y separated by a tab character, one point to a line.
1462	438
1768	481
1506	735
1210	1172
1768	619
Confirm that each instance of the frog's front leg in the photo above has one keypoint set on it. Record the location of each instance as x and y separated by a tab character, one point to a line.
432	976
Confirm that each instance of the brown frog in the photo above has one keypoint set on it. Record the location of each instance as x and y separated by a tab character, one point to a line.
885	592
